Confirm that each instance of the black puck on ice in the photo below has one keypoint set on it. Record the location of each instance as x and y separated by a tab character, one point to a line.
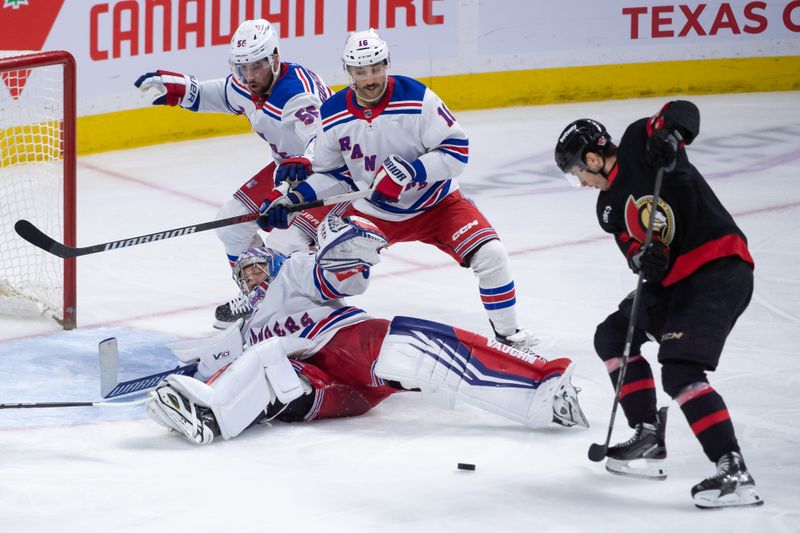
466	466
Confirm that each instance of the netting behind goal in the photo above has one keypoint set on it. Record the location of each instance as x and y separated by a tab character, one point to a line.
37	181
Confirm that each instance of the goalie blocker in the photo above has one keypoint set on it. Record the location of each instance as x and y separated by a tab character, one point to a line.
444	363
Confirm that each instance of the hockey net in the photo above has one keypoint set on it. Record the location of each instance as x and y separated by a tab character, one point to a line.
37	181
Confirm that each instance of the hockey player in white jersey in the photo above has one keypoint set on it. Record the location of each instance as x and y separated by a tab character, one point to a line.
395	135
305	354
281	101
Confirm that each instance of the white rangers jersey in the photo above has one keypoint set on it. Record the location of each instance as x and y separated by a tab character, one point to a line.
410	121
305	302
289	117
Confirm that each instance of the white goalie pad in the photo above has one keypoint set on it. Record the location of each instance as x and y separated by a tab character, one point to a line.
262	375
213	353
448	364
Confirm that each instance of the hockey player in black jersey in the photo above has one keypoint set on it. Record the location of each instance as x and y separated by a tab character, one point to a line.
698	276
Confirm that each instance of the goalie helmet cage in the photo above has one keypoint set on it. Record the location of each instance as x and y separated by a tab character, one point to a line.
37	179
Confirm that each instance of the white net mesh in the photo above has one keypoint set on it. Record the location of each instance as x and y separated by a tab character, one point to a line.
31	185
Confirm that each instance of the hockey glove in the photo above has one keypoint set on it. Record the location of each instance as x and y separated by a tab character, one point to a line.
172	88
392	177
293	170
274	213
662	149
350	243
653	261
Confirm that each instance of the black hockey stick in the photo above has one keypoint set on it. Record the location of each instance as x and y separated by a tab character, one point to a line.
37	237
597	452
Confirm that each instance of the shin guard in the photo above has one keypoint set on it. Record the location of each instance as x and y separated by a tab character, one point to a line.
448	363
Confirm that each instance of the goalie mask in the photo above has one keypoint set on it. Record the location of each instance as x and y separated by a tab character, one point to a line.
255	281
254	46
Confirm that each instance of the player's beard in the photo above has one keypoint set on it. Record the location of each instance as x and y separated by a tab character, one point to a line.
260	87
373	92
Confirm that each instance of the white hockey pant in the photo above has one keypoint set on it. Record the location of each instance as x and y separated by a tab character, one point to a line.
252	382
490	265
431	357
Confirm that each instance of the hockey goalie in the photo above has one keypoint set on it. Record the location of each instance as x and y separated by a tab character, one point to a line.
305	354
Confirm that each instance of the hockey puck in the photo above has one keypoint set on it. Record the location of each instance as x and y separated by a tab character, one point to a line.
466	466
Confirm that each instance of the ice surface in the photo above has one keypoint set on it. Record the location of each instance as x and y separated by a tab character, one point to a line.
394	469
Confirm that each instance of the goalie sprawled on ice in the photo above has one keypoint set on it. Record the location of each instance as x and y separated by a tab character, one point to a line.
304	354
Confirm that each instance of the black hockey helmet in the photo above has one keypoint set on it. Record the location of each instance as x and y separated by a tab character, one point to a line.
583	135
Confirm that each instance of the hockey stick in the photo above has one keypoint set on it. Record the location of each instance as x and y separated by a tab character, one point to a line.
37	237
48	405
110	387
597	452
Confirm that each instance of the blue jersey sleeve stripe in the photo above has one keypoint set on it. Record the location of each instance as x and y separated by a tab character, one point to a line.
462	158
456	141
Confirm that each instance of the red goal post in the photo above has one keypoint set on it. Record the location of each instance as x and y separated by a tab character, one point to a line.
37	181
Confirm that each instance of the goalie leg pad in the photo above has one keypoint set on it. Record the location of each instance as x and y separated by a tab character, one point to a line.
171	407
448	363
259	378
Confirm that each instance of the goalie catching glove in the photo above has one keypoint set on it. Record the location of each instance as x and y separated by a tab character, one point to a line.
349	243
392	177
172	88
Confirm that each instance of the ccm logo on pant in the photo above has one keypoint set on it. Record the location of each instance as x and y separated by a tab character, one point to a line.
464	229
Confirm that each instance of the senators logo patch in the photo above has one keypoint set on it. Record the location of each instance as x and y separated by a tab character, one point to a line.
637	216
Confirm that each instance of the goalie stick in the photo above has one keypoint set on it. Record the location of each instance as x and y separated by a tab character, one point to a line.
38	238
110	387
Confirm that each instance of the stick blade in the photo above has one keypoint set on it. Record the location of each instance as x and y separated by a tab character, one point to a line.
109	363
36	237
597	452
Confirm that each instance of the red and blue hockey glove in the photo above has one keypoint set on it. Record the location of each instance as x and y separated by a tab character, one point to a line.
172	88
391	179
653	261
274	213
293	170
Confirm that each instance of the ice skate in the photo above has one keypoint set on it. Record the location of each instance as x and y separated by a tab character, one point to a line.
566	409
523	340
227	314
731	486
643	454
174	411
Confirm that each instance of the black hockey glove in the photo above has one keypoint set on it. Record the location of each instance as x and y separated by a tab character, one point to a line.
653	261
662	149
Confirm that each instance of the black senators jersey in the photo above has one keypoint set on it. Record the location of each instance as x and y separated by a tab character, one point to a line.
690	220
